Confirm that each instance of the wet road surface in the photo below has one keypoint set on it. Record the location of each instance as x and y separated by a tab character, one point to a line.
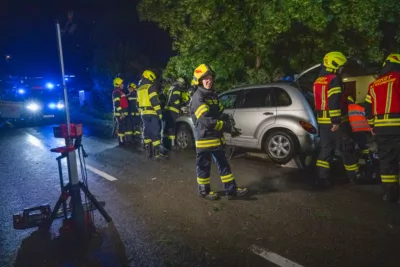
160	221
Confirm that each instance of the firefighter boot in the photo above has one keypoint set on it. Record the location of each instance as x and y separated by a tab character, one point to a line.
160	152
121	141
149	150
391	192
204	191
167	143
240	192
356	177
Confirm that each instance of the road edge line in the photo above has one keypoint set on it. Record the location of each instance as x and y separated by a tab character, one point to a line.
101	173
273	257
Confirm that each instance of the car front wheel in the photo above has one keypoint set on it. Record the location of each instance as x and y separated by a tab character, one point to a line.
184	137
280	146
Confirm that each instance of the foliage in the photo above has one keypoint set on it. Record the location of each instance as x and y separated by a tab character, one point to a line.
249	40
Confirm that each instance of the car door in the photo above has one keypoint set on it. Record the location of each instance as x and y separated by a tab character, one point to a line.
229	101
255	112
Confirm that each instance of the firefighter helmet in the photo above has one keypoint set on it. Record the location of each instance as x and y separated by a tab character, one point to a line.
392	58
149	75
334	60
117	82
200	72
132	85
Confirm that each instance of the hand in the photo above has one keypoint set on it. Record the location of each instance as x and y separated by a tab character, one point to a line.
373	131
335	127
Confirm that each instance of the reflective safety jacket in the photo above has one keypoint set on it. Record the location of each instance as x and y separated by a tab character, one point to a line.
383	104
174	99
358	121
327	99
147	98
205	111
120	102
133	105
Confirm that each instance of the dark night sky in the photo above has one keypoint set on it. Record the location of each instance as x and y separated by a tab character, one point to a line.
27	31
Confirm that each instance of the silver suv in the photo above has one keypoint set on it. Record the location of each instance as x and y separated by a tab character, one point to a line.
275	118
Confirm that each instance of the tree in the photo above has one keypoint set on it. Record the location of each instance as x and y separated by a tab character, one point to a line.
249	40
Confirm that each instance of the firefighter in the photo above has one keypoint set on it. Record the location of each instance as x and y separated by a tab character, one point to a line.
173	107
134	114
205	111
150	108
120	104
383	113
333	122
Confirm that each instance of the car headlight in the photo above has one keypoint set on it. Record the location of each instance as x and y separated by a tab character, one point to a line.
33	107
60	106
52	105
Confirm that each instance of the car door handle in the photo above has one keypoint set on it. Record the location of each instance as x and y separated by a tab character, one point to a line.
268	113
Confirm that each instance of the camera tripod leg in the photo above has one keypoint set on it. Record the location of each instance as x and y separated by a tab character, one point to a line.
64	205
100	208
61	200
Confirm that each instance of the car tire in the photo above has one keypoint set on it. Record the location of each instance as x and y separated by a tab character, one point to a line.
281	146
184	137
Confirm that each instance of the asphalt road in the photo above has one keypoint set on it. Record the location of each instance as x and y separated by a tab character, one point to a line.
158	220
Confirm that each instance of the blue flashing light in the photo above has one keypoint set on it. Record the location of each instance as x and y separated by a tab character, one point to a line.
52	105
21	91
49	85
66	79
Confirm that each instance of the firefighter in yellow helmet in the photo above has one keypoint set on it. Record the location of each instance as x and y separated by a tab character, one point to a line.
383	112
151	114
334	128
173	107
134	115
206	112
120	104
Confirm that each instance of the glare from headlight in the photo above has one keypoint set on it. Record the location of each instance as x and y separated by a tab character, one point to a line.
52	105
33	107
60	106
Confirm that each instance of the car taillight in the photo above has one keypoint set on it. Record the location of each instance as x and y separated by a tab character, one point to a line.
308	127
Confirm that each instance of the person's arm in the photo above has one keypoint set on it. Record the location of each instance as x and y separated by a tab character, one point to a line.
155	102
117	104
334	97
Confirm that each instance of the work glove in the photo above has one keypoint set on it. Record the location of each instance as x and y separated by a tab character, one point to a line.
236	132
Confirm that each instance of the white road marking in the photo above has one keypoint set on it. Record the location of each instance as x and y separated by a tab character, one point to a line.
101	173
273	257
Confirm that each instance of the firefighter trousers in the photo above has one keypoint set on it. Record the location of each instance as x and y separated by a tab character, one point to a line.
361	139
135	126
128	128
389	157
151	130
169	128
341	140
121	128
203	168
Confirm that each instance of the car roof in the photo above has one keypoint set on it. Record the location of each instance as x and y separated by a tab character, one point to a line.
283	84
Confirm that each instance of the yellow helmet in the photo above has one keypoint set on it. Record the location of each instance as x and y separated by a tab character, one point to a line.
132	85
392	58
200	72
149	75
334	60
117	82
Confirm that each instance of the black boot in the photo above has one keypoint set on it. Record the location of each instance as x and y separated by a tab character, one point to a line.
166	143
391	192
149	150
204	191
160	152
240	192
121	141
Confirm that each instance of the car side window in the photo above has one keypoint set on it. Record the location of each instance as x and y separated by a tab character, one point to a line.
229	100
258	98
282	98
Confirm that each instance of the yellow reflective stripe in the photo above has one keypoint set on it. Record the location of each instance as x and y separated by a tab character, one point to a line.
121	134
324	120
219	125
221	107
208	143
147	141
323	97
136	133
374	98
388	98
323	164
368	99
350	98
353	167
371	121
156	143
158	107
203	180
176	102
171	137
118	108
176	93
227	178
126	113
129	133
201	110
386	122
393	178
117	114
152	95
365	151
334	90
335	112
149	112
116	99
172	109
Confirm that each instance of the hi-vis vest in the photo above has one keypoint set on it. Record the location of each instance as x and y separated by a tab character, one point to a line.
143	99
357	118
